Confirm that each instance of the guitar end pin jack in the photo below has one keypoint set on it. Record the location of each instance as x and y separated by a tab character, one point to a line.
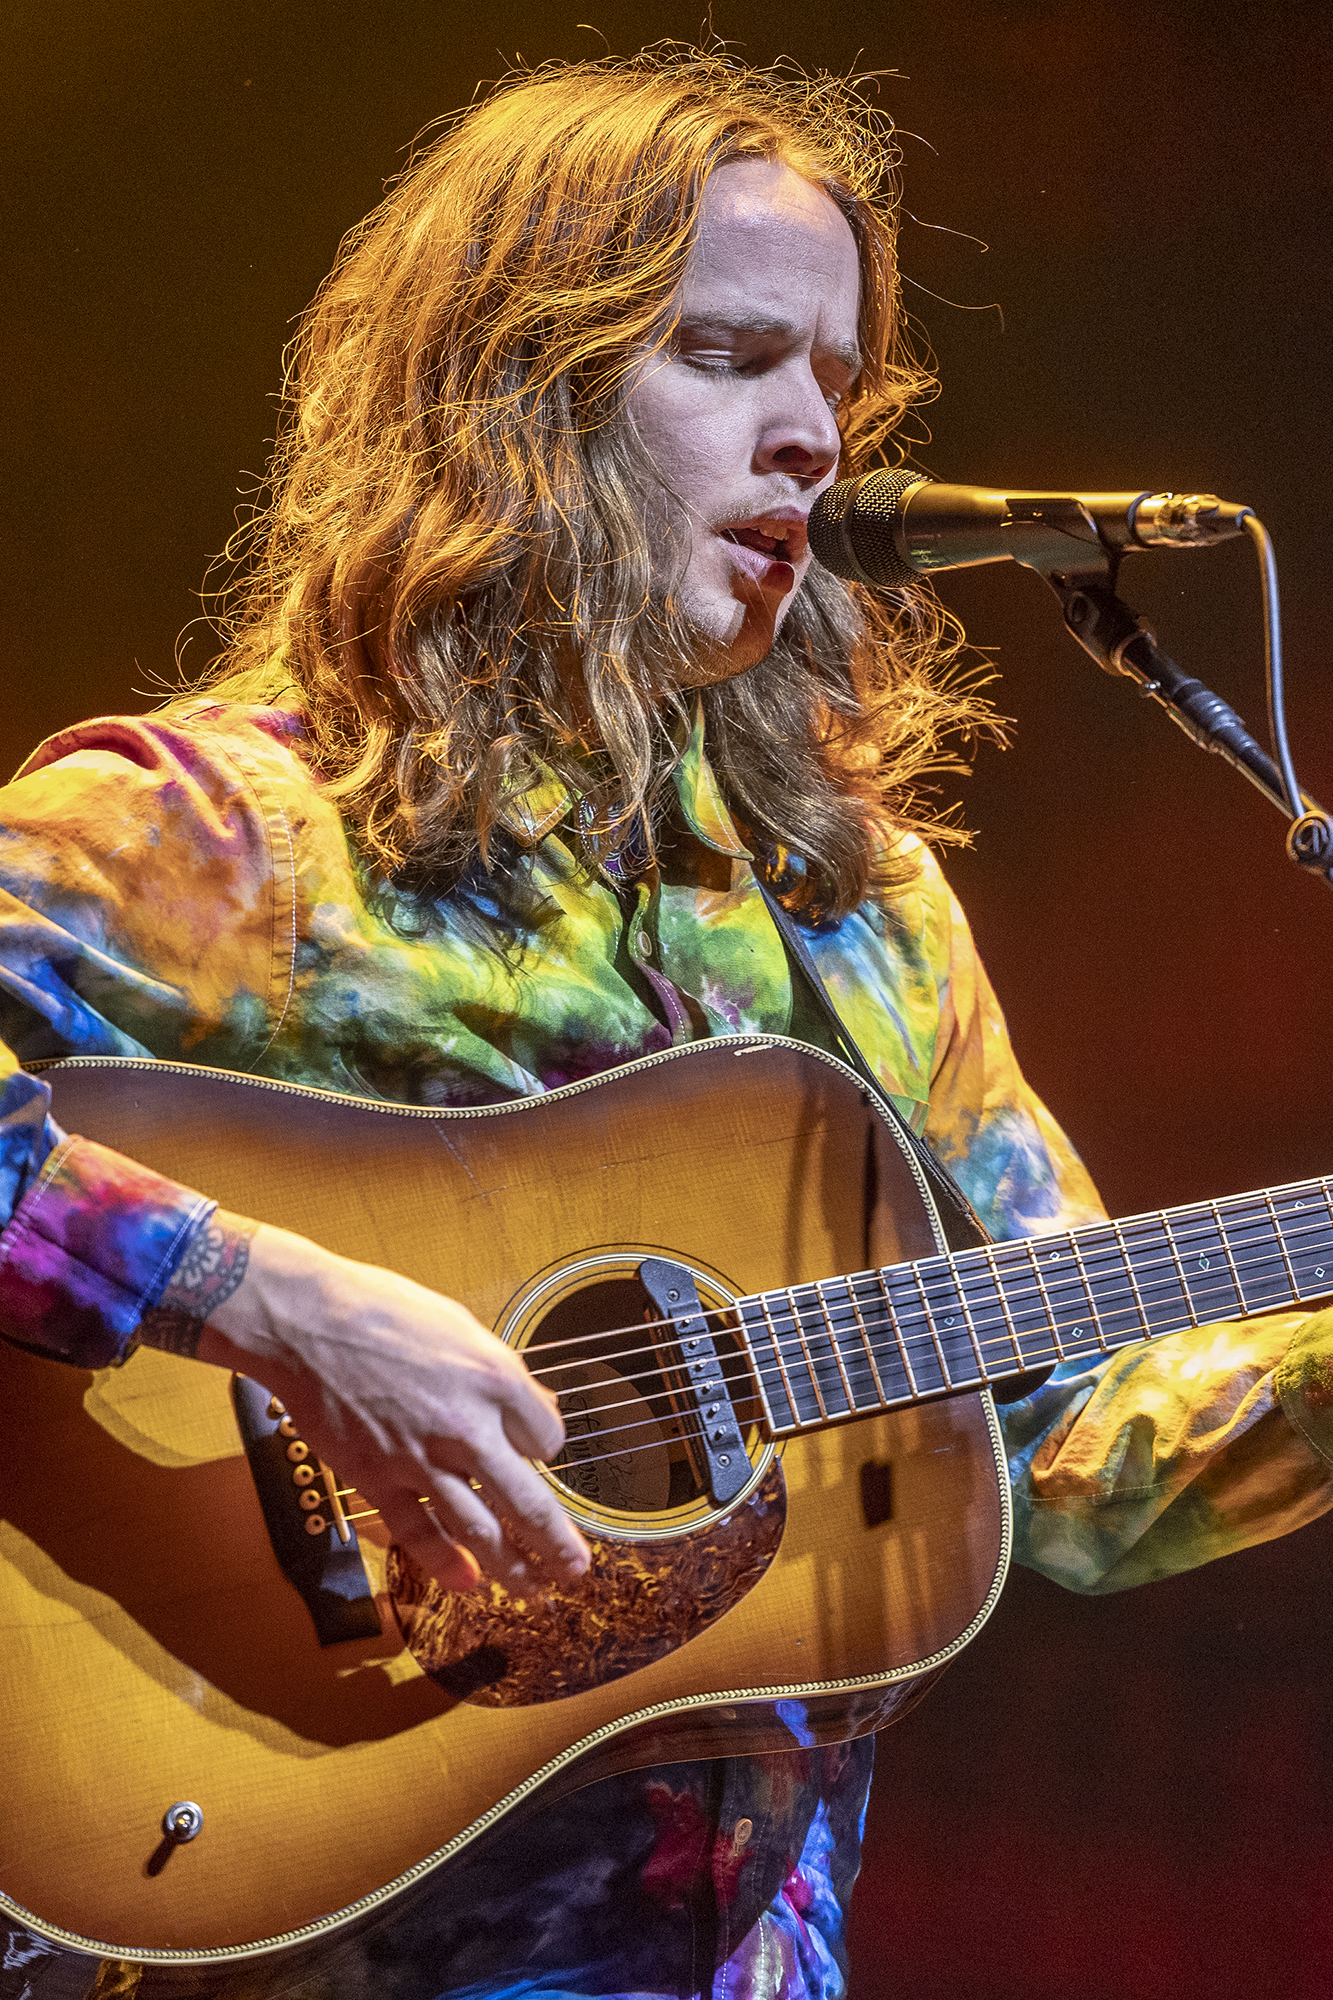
182	1822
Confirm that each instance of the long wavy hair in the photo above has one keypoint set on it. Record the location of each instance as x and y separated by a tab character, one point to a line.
455	529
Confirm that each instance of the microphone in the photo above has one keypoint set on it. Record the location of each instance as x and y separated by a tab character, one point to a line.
889	527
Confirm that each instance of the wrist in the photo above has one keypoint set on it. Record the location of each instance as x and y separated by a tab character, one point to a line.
262	1324
210	1271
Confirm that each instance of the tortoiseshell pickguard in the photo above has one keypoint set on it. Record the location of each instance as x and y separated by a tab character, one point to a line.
638	1601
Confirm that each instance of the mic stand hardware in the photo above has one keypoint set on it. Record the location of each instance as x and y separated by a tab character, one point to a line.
891	526
1122	643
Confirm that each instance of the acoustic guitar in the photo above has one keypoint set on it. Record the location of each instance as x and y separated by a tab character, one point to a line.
237	1722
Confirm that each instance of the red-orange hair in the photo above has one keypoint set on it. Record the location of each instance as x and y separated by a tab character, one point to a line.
456	533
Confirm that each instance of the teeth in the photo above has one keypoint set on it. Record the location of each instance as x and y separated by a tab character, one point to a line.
761	530
761	539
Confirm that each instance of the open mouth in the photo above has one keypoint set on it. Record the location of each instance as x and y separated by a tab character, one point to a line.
768	539
777	549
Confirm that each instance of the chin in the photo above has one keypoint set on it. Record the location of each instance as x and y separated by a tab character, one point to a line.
731	634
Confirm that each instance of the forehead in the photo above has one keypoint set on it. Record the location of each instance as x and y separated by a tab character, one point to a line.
768	238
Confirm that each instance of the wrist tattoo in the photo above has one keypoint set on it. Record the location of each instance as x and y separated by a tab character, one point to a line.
210	1271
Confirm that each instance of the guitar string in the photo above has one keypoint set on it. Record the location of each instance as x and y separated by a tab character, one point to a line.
1032	1357
788	1345
956	1267
1037	1358
879	1316
885	1322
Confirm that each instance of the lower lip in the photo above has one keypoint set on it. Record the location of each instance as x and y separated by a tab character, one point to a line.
766	570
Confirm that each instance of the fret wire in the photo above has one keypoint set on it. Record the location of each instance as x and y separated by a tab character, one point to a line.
1328	1199
1282	1246
900	1342
1169	1234
837	1350
805	1350
1045	1299
1133	1281
908	1370
930	1327
758	1370
1322	1185
1300	1229
967	1319
1192	1219
1198	1242
1087	1288
795	1407
864	1332
1009	1320
1226	1251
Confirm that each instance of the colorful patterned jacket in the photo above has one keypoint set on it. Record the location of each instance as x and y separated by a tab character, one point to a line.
179	887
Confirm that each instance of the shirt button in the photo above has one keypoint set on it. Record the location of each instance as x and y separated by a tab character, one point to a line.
741	1832
643	944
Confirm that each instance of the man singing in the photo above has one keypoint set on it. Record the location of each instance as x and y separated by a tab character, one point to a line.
532	686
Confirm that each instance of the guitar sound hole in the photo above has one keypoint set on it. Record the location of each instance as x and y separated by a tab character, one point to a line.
630	1428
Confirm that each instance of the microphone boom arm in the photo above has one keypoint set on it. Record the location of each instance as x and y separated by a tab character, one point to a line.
1122	643
890	527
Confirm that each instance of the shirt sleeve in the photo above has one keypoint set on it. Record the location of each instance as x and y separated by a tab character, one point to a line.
1166	1456
984	1121
1161	1456
91	1240
136	918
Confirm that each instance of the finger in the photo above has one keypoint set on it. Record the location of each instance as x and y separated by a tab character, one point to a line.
515	1489
472	1515
457	1515
532	1420
421	1533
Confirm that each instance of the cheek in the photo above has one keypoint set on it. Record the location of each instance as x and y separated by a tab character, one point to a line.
693	448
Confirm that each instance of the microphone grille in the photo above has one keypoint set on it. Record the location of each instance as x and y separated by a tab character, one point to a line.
852	527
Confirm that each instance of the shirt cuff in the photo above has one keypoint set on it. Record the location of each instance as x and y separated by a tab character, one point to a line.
89	1250
1305	1383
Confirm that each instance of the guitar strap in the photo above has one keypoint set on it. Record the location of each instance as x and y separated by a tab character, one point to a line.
963	1227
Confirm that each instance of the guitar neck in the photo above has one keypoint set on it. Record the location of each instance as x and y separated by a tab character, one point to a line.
911	1333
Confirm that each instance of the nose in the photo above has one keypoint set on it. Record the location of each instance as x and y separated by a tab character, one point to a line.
799	435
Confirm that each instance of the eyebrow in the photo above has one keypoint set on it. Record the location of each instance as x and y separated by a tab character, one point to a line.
784	329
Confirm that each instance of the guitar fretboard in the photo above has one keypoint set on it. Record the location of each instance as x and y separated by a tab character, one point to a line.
914	1332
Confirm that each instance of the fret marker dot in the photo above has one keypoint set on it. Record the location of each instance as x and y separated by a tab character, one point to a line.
1319	1270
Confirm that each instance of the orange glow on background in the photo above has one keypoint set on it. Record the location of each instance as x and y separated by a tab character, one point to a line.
1105	1799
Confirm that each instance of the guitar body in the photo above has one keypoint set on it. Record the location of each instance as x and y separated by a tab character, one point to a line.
154	1650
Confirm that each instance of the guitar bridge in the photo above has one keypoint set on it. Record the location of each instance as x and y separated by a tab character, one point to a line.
316	1547
703	1396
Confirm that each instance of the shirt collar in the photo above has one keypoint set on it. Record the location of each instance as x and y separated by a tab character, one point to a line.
701	802
531	811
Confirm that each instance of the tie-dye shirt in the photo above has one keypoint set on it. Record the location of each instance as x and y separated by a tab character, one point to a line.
180	887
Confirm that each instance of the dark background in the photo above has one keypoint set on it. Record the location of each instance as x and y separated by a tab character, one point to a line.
1105	1799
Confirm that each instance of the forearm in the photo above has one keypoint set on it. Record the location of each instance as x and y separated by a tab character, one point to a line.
1172	1454
399	1388
211	1270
